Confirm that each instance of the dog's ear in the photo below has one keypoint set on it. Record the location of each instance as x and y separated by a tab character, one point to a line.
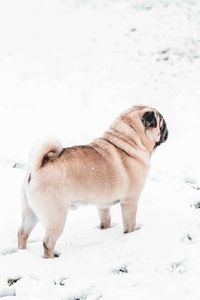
163	134
149	119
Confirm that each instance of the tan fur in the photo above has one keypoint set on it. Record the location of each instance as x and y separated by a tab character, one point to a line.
52	148
111	168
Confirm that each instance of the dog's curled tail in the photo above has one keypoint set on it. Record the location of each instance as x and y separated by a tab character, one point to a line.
43	152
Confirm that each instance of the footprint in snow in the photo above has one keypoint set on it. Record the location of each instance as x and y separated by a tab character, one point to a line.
177	267
61	281
196	205
9	250
123	269
187	238
12	281
195	187
7	292
17	165
8	289
84	295
192	183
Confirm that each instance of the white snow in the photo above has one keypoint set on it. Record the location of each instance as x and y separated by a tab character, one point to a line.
68	68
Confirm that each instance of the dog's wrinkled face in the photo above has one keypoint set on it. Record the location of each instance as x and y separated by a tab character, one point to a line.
155	126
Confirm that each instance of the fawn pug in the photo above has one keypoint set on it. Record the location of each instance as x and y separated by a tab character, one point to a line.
111	168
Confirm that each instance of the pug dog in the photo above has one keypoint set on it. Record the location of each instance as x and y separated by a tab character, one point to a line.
111	169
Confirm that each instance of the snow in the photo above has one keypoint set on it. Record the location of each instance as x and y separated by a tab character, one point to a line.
68	68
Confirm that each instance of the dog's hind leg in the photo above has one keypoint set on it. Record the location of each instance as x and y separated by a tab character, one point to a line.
29	220
104	214
53	231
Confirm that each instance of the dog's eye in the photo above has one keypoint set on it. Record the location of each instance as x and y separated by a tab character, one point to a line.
149	119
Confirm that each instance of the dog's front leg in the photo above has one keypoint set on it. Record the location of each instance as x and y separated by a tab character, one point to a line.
129	210
105	219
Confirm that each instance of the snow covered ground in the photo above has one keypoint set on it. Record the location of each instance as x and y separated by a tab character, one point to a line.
68	68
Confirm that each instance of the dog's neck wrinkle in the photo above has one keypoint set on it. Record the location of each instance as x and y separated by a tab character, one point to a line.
126	146
118	135
128	139
144	141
